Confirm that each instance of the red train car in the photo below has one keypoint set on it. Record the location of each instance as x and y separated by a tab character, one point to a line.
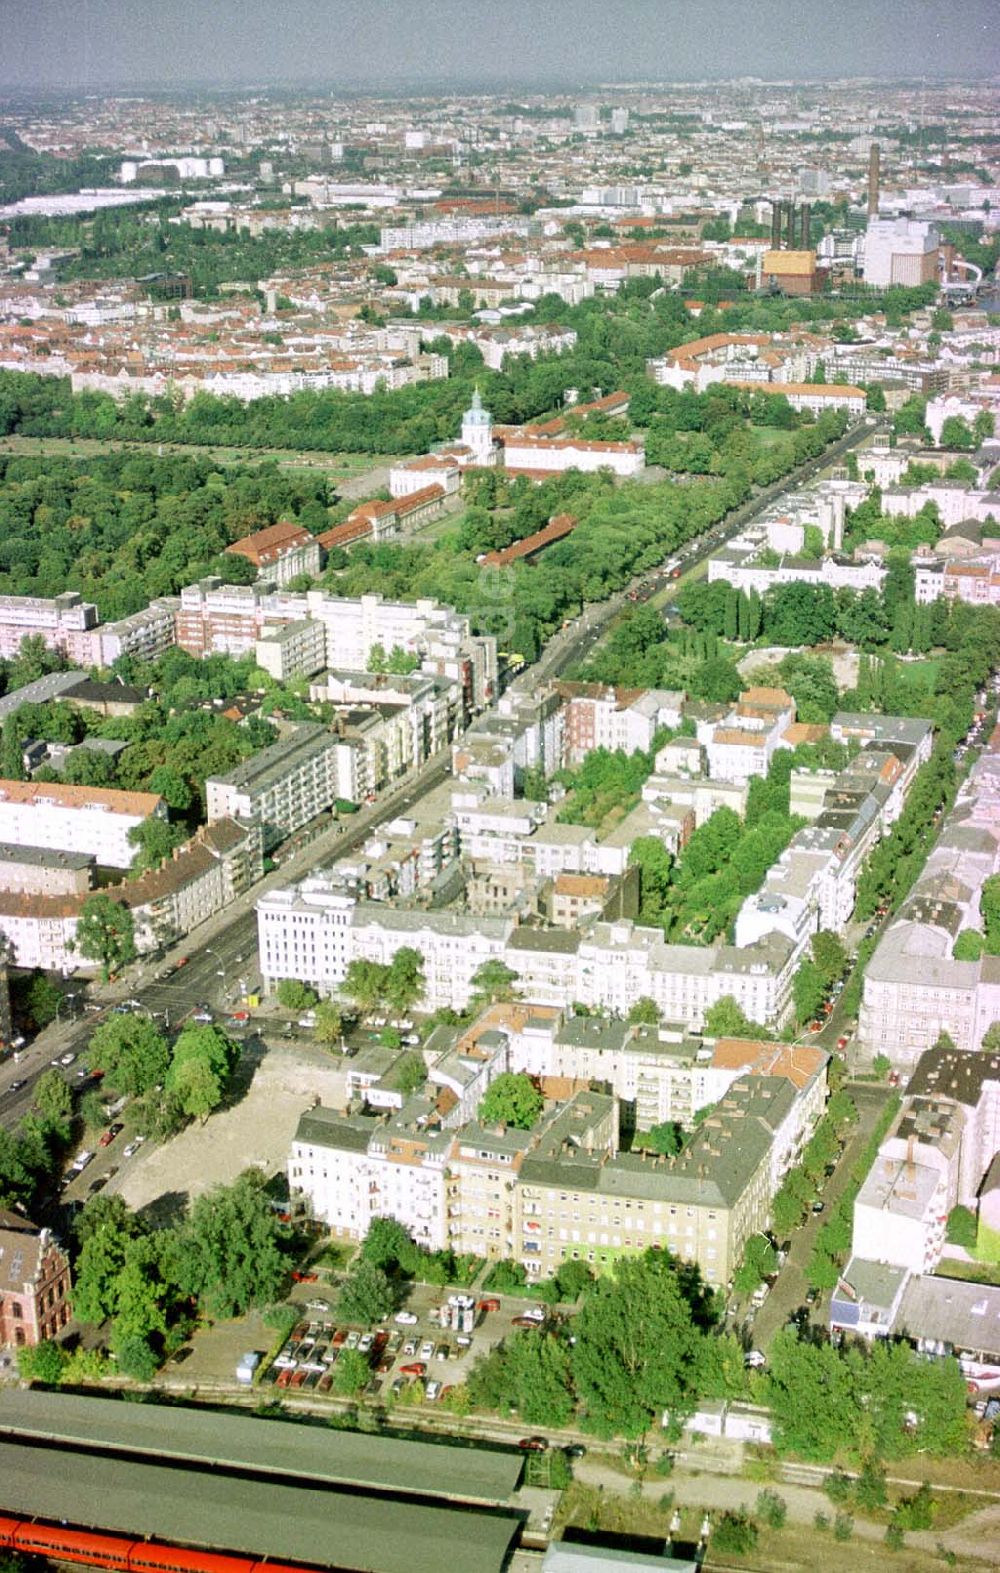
121	1553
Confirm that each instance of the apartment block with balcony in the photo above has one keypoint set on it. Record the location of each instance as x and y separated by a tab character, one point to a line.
289	783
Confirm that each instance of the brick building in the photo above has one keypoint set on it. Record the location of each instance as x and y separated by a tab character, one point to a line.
34	1283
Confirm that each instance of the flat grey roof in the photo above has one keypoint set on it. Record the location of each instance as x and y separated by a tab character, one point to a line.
565	1556
344	1458
261	1518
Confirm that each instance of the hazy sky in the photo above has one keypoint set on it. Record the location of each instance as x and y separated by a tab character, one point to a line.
81	43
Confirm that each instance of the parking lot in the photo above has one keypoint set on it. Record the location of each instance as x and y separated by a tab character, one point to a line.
417	1344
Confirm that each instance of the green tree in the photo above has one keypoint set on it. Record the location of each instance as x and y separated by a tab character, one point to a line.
133	1055
636	1347
135	1358
105	933
511	1099
956	433
989	911
654	863
410	1074
725	1019
405	982
963	1228
772	1508
364	983
736	1532
366	1295
294	995
969	945
351	1373
829	956
42	1000
329	1027
760	1260
808	991
200	1066
814	1401
53	1104
155	839
667	1138
105	1238
44	1362
172	786
494	983
226	1252
390	1246
644	1012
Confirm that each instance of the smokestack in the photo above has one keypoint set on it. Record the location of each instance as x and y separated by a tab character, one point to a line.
775	226
790	226
874	168
805	225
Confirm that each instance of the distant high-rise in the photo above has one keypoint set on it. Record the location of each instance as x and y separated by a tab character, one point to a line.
619	121
873	180
586	117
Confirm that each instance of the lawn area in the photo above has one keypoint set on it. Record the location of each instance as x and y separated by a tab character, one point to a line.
924	670
800	1546
340	466
970	1272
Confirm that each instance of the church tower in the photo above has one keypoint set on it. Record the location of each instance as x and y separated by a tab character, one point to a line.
477	432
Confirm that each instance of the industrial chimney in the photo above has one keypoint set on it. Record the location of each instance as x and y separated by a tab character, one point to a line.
805	225
775	226
790	226
873	180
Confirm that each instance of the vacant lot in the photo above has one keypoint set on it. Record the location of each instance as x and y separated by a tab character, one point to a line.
278	1083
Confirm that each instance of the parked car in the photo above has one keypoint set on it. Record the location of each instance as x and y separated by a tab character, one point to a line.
406	1318
433	1392
442	1352
415	1368
527	1322
133	1146
319	1305
533	1444
818	1206
299	1277
427	1349
365	1343
398	1384
754	1360
491	1304
108	1136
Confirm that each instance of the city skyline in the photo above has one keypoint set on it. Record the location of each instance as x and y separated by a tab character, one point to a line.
58	45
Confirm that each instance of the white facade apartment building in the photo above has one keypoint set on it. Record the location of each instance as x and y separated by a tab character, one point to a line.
314	931
744	572
290	782
914	986
231	619
93	820
66	623
357	1169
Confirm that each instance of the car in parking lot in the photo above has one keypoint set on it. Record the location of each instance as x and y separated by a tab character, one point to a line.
415	1368
442	1352
754	1360
818	1206
353	1338
527	1322
108	1136
427	1349
299	1277
17	1084
812	1295
533	1444
319	1305
489	1304
398	1384
406	1318
365	1343
133	1146
842	1042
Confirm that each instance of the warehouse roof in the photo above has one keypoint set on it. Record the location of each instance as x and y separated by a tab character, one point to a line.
302	1451
259	1517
